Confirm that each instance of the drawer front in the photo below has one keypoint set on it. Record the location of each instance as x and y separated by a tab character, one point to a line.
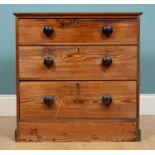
51	31
78	62
85	130
73	99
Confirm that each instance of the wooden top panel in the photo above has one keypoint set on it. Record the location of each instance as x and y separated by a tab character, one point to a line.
79	15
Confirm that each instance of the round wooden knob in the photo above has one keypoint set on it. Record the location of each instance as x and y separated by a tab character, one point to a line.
107	100
48	61
49	100
107	61
107	30
48	30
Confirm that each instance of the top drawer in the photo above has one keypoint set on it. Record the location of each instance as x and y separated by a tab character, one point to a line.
77	31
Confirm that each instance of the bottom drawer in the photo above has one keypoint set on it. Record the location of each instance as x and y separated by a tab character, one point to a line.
79	130
72	99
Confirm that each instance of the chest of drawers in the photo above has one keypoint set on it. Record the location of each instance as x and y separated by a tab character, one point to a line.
77	76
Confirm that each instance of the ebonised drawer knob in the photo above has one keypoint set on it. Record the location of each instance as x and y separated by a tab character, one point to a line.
107	61
107	100
48	30
107	30
49	100
48	61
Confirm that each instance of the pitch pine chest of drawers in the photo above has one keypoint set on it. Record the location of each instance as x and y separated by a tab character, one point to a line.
77	76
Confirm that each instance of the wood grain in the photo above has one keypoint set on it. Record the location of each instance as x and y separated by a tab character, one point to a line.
78	80
8	124
73	65
17	83
78	14
84	130
82	101
138	73
77	30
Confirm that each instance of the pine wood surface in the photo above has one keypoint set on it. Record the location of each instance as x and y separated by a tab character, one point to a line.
8	126
78	63
82	101
83	30
77	31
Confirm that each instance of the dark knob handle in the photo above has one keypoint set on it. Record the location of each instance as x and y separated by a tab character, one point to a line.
49	100
48	61
107	99
48	30
107	30
107	61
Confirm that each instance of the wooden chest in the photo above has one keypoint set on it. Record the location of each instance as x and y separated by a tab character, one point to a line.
77	76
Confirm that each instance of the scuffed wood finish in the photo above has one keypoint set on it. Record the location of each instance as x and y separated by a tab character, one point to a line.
78	80
7	126
17	84
78	130
77	31
82	101
85	64
111	15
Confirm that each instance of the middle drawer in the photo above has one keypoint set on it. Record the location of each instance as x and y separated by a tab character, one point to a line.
78	63
73	99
